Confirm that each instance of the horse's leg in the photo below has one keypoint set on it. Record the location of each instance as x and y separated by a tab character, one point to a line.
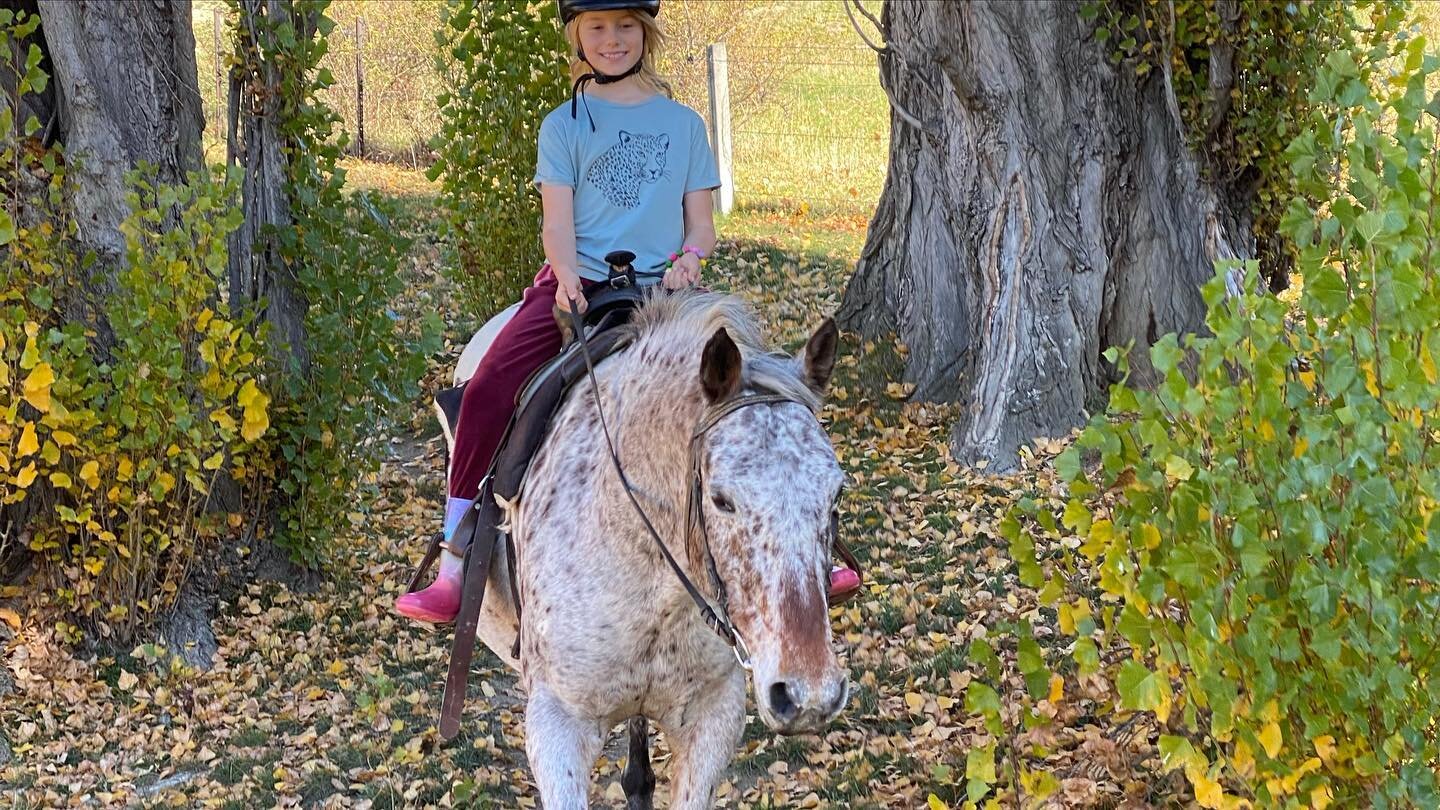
562	749
705	744
639	777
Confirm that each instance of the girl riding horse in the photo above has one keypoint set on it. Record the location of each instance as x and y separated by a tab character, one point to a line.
620	164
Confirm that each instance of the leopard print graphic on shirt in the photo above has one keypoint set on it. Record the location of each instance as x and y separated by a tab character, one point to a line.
637	158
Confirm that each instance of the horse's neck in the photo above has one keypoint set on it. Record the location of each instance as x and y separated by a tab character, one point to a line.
659	408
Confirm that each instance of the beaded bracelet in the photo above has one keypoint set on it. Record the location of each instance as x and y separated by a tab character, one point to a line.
687	249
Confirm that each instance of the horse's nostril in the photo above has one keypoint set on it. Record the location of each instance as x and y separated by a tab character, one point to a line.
841	696
781	703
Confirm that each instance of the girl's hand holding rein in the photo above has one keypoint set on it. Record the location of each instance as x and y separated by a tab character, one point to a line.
685	272
569	289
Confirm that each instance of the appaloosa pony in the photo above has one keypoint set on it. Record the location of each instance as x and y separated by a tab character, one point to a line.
721	446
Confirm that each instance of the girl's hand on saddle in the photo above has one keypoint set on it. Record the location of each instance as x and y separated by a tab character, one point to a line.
685	272
569	289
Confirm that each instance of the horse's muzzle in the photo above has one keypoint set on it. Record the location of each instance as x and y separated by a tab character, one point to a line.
803	706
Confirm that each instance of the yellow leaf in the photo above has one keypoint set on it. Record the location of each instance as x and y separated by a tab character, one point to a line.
1150	536
1270	739
94	565
127	681
60	480
254	427
222	417
1208	792
1267	430
28	441
1427	363
4	462
935	803
249	394
1057	688
1320	797
26	476
90	474
10	617
1370	381
1243	760
1178	468
64	438
336	667
125	469
214	462
254	403
1101	533
1325	746
37	387
1301	445
915	702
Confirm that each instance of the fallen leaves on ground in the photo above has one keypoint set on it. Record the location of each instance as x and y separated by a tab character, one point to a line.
327	699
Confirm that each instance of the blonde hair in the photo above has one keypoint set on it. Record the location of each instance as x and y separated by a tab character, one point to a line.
650	56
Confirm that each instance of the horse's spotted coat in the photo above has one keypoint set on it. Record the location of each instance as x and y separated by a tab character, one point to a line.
609	632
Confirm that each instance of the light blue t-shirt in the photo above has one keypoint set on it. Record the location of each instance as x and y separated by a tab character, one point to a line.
630	176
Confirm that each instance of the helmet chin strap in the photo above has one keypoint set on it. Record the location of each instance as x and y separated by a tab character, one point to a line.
578	90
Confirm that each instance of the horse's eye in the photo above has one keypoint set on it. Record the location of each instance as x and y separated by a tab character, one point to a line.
722	503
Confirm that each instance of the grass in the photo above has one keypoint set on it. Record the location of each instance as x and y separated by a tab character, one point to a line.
815	141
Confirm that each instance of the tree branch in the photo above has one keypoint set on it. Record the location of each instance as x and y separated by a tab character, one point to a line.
1170	101
868	15
854	23
1222	65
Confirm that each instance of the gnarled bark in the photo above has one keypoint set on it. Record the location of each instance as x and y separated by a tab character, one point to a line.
126	85
254	143
1046	208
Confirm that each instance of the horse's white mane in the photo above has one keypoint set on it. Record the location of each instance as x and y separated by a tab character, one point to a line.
685	320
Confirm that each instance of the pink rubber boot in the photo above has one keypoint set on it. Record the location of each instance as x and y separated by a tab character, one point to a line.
439	602
844	584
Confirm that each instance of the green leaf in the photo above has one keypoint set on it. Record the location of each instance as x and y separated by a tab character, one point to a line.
1141	689
981	654
1328	292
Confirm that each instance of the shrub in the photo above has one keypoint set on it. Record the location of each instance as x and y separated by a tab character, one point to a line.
1262	527
344	252
116	429
504	70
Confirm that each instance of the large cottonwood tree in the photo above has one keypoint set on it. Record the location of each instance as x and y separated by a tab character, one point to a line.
123	94
1045	201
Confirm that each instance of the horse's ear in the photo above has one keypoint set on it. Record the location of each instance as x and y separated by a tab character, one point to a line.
818	361
720	367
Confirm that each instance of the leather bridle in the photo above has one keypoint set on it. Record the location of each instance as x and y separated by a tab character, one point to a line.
717	617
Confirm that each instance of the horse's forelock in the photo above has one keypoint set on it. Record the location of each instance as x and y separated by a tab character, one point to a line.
683	320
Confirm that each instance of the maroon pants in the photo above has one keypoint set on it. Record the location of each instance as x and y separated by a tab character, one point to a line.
527	341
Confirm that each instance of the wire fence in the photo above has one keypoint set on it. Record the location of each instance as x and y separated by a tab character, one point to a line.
384	76
810	123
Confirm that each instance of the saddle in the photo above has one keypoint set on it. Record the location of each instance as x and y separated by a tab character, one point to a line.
609	305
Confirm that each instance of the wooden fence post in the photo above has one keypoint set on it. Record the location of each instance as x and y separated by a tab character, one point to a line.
220	95
719	73
360	86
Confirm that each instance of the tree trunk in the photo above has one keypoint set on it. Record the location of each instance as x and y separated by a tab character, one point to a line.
123	92
1041	206
254	142
124	75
